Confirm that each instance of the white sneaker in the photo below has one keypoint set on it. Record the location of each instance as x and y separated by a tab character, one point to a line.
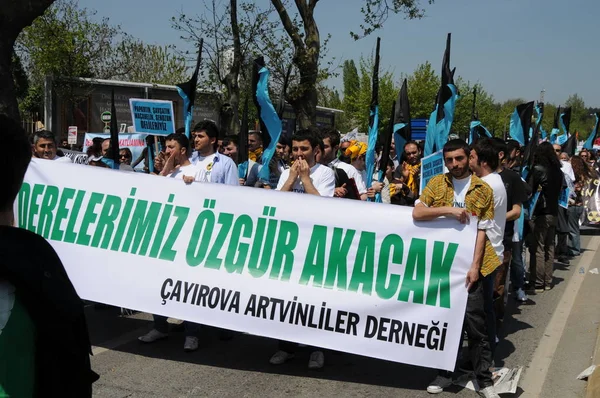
438	384
152	336
191	344
280	357
317	360
489	392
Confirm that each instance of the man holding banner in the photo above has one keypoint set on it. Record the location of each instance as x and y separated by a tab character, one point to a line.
458	194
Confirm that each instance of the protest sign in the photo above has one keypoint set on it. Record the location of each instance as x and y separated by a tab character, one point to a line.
135	142
152	116
394	291
72	135
431	166
591	203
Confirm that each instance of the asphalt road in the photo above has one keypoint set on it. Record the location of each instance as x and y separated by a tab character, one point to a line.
552	336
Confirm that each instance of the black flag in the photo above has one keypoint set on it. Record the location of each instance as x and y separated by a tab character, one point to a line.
402	128
187	91
114	132
258	64
387	143
570	145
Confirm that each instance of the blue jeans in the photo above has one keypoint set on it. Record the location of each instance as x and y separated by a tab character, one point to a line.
573	216
517	269
160	324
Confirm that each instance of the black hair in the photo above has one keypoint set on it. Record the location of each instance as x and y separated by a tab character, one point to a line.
127	151
500	145
308	135
182	140
180	130
285	140
95	150
15	161
333	136
49	135
231	139
512	145
209	127
544	155
486	152
455	145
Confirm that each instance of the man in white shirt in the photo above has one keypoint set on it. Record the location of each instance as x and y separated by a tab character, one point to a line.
43	145
331	145
178	163
306	175
212	166
483	161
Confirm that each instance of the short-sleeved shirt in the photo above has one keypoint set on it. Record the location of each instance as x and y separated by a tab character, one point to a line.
439	192
321	176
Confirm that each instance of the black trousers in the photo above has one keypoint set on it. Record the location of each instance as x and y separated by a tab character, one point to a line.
475	326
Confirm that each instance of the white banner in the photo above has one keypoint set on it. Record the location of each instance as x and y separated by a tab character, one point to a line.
350	276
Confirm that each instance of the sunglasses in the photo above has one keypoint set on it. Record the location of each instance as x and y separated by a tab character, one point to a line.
124	156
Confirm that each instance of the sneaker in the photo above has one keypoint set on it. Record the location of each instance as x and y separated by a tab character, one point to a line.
438	385
521	296
191	344
280	357
317	360
548	287
152	336
489	392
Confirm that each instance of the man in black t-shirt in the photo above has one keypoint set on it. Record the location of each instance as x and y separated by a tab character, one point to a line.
516	194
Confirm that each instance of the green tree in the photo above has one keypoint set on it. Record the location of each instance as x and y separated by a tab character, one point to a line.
307	46
65	43
581	120
484	107
153	63
351	86
388	93
423	86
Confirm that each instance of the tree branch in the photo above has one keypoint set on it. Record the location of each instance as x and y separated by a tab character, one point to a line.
288	25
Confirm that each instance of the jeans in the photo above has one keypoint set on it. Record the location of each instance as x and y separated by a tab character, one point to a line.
488	305
475	327
542	251
160	324
517	268
573	216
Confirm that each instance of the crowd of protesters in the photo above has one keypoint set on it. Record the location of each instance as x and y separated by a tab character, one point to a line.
482	180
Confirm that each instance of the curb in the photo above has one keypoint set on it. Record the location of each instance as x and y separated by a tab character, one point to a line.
593	385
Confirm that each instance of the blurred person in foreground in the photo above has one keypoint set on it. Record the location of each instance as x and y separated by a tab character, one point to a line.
44	344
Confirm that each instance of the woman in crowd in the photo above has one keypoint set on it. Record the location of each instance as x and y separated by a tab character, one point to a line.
583	175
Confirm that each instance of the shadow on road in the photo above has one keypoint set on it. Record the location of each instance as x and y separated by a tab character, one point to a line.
252	353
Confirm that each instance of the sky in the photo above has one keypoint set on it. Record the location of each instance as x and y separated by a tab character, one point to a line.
514	48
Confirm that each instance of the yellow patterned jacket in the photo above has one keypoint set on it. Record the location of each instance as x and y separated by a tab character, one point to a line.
479	201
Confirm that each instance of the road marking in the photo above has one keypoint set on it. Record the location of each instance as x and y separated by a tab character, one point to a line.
122	339
535	375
